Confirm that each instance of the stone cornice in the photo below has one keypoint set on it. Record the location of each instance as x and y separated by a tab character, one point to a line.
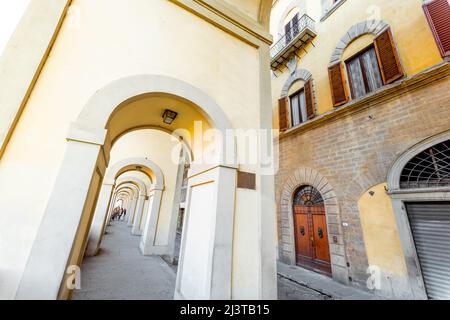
387	93
228	19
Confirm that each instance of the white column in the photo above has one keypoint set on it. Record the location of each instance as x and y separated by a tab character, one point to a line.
205	267
110	211
52	248
133	203
147	245
138	215
101	214
267	223
126	205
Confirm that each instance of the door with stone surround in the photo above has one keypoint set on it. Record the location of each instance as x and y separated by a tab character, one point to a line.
310	231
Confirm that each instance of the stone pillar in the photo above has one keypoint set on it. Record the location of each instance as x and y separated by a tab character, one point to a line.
147	245
205	266
265	181
110	211
46	266
104	205
132	211
138	215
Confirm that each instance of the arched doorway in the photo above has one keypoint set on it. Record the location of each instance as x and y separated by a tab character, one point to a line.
310	230
419	184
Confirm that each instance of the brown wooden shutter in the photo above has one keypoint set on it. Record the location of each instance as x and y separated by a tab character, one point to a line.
438	16
338	85
309	97
387	55
282	112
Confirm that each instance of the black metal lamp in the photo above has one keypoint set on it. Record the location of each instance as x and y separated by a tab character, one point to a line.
169	116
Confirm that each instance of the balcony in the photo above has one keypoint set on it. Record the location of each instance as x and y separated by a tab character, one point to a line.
297	37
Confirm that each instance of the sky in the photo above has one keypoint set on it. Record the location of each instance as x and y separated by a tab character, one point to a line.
10	13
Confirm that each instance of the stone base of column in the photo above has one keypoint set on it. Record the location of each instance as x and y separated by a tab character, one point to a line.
147	250
92	253
178	296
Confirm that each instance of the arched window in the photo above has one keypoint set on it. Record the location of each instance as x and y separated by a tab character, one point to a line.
297	103
428	169
307	196
369	68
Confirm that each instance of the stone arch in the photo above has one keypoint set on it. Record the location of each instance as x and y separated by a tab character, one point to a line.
264	13
308	176
93	120
300	74
143	188
134	217
131	164
393	178
374	27
187	151
113	184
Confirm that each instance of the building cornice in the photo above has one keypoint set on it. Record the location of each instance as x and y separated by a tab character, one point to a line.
386	94
227	18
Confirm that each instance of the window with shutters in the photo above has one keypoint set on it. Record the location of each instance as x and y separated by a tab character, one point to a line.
292	29
298	108
367	71
364	73
438	16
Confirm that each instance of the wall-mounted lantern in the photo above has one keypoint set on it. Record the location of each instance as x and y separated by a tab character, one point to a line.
169	116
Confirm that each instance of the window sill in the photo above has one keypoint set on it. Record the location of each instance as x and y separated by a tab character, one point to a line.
388	92
331	10
297	126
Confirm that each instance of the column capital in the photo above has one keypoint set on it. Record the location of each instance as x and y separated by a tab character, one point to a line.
87	135
108	182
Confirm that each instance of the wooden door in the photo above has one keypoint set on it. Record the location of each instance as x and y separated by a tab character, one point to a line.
311	235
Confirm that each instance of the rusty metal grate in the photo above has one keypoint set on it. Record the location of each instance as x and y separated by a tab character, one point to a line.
307	196
429	169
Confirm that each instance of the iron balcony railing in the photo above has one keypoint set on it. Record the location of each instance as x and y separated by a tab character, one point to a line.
299	34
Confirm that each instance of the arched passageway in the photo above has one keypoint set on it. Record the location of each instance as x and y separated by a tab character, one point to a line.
118	270
126	105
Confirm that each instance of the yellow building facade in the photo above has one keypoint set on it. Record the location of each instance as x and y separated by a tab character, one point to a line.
357	88
93	72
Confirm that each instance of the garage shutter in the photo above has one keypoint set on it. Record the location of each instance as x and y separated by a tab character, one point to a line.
430	225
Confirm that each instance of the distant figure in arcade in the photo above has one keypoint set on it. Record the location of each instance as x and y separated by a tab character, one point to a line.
124	214
115	214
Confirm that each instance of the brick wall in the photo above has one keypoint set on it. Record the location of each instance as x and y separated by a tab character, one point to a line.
356	152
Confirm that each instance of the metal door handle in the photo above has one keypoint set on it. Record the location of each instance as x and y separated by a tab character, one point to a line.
320	232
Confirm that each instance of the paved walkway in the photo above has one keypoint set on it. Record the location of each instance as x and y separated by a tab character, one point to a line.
296	283
120	272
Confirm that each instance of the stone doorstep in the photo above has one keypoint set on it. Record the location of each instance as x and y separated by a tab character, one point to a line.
322	284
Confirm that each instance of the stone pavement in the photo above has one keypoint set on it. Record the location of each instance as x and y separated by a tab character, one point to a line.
120	272
296	283
290	290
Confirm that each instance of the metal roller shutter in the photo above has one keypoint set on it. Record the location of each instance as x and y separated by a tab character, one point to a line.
430	225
